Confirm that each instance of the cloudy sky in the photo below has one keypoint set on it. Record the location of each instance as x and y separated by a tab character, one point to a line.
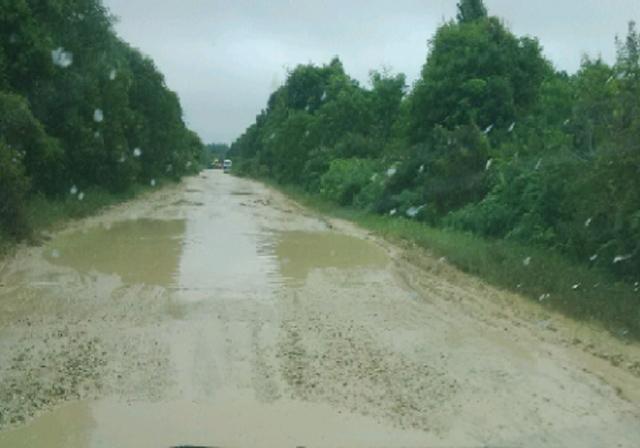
224	57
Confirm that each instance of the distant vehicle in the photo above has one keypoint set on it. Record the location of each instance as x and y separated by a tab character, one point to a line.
226	166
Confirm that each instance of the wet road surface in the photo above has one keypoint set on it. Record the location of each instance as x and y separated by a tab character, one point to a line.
220	313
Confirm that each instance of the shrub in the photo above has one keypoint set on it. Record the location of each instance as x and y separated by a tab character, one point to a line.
14	186
346	178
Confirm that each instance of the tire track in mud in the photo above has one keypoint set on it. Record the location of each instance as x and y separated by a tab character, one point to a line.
339	361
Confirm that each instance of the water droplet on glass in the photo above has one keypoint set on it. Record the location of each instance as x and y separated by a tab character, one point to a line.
526	261
137	152
98	116
412	212
489	163
61	58
621	258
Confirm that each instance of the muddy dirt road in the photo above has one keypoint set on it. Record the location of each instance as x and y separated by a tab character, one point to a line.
220	313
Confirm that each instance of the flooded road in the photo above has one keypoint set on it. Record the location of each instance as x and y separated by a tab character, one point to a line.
220	313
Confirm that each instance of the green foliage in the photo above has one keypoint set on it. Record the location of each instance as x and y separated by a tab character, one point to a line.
14	185
490	140
471	10
79	107
477	72
346	179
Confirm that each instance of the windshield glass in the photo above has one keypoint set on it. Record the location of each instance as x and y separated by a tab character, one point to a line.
319	223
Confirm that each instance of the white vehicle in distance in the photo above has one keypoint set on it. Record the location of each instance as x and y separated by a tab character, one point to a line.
226	166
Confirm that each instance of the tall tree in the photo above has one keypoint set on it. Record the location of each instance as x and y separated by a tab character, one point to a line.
471	10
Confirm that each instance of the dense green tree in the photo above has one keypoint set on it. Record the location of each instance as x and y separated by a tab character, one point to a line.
79	107
471	10
491	139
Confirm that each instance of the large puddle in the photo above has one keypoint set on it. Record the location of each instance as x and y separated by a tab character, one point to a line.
301	252
236	419
141	251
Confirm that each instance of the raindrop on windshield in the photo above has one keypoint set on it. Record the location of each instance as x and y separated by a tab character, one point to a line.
489	163
61	58
621	258
413	211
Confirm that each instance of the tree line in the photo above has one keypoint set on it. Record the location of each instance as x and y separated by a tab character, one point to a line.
79	109
491	139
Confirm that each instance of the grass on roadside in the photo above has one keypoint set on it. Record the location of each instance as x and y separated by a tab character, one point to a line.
561	284
48	214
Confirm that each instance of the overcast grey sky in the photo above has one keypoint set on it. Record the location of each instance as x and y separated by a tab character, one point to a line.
224	57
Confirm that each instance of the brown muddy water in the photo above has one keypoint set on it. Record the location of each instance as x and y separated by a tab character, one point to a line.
220	313
138	251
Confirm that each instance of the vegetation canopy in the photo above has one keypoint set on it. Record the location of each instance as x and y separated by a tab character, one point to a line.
491	140
80	109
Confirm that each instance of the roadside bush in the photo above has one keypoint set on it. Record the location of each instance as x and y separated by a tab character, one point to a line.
41	156
14	186
346	178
